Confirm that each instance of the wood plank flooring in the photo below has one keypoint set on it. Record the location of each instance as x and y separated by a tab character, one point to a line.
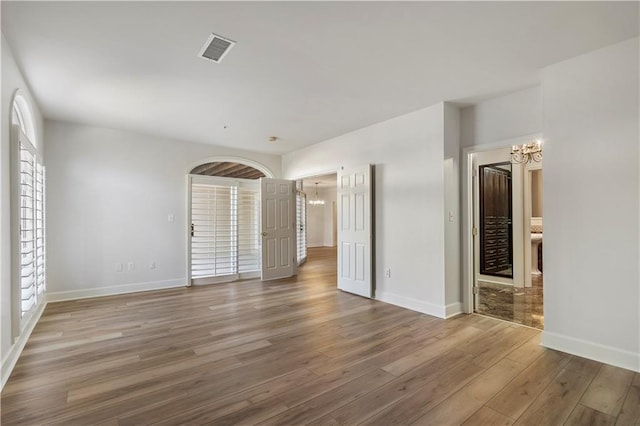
297	351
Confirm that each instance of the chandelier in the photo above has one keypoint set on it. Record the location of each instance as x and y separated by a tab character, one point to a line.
525	153
316	201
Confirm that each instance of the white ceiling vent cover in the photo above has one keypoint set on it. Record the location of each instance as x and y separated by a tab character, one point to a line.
216	48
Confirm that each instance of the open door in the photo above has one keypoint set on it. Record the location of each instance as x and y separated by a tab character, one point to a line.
278	198
355	230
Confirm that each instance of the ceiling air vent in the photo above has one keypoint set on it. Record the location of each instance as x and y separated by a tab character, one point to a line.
216	48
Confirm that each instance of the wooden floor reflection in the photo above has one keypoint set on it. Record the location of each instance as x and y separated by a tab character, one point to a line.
520	305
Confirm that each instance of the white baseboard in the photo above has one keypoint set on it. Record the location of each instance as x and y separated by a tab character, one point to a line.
453	309
413	304
591	350
60	296
9	361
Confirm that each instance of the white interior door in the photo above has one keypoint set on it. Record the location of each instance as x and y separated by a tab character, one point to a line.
355	221
278	198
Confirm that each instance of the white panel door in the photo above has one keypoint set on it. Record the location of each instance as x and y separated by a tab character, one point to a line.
355	232
278	198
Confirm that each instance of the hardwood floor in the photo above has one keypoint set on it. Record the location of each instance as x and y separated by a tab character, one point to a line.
298	351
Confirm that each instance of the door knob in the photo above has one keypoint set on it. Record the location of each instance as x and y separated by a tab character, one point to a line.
264	234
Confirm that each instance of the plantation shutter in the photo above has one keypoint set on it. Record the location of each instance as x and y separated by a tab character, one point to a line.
213	230
32	231
301	226
39	231
248	229
225	229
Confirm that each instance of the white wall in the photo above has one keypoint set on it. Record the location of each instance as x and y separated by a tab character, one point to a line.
320	218
536	193
330	197
408	154
109	195
505	117
12	80
315	219
591	207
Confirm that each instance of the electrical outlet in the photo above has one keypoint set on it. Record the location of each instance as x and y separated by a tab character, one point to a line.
387	272
171	217
152	265
131	266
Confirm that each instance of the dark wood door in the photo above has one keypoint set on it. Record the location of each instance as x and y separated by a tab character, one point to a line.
496	236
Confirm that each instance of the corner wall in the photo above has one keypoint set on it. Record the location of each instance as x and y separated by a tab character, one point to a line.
591	205
452	220
408	153
109	197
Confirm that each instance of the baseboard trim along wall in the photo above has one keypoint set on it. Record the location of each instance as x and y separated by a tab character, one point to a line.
113	290
413	304
453	309
9	361
591	350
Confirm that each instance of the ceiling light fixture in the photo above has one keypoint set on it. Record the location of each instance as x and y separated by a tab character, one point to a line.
527	152
316	201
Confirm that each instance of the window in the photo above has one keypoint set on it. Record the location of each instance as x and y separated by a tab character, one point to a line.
28	213
225	228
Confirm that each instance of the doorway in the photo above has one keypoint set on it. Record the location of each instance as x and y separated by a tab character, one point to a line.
241	223
507	209
317	222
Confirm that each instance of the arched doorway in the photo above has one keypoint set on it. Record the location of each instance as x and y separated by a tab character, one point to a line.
224	231
229	169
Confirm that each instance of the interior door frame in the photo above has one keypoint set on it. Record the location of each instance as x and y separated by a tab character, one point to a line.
468	267
516	216
187	212
312	175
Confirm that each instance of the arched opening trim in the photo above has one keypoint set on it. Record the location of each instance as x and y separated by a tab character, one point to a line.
229	159
22	115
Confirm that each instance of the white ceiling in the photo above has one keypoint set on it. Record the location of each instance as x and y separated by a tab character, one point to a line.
302	71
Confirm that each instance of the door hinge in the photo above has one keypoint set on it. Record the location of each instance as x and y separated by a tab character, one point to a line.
475	173
474	231
475	289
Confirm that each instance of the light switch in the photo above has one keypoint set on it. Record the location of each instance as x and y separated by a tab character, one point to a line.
171	217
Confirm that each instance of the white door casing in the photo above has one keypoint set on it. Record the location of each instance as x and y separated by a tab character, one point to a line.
278	204
355	230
